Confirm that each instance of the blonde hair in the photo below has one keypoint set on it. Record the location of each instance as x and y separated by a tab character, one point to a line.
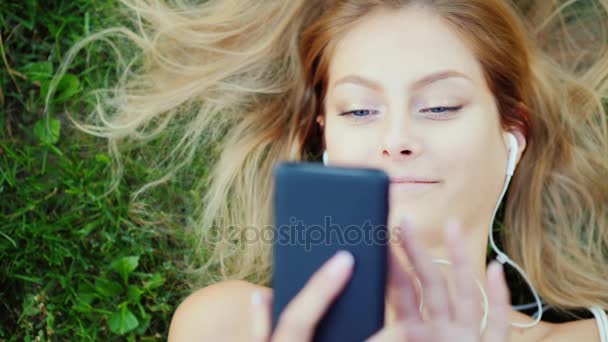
243	80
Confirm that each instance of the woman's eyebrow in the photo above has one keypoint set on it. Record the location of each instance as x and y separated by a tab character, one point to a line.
420	83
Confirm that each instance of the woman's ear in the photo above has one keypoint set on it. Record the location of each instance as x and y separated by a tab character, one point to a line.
320	120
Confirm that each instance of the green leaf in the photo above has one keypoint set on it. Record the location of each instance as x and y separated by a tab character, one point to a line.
155	281
144	323
67	88
29	306
102	158
48	134
50	320
44	88
125	265
85	294
40	71
123	321
133	293
107	288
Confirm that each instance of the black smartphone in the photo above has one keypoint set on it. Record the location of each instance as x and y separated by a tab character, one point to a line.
319	210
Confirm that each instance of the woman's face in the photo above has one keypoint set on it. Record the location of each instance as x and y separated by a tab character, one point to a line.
405	94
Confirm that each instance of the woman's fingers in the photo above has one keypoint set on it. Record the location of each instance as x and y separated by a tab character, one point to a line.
300	317
498	320
457	317
434	290
401	291
467	307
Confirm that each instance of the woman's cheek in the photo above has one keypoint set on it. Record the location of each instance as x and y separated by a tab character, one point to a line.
354	146
460	157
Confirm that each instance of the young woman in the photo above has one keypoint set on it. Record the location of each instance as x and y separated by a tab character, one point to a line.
429	91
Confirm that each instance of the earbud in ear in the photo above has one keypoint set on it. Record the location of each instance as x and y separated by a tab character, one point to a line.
325	158
513	149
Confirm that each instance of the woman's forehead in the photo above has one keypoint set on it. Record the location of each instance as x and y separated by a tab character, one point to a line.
402	46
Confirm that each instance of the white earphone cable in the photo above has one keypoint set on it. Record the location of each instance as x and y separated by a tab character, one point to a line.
501	256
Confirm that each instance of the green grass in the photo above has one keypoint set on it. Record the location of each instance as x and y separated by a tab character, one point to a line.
75	263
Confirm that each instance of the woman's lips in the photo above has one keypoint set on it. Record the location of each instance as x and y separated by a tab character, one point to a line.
409	179
411	183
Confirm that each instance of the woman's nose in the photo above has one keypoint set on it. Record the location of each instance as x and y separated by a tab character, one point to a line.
399	142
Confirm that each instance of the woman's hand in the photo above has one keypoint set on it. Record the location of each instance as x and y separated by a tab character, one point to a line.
448	320
456	319
300	317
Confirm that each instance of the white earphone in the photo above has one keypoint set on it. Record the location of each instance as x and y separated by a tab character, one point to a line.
513	149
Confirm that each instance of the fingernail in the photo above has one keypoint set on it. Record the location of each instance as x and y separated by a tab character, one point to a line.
256	298
409	221
341	262
259	324
405	222
495	272
452	227
408	232
498	267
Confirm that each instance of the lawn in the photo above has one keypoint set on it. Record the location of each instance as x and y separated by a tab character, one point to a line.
79	260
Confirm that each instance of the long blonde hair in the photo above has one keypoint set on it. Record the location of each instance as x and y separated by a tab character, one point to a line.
243	80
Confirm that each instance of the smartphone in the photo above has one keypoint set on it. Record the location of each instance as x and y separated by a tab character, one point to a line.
319	210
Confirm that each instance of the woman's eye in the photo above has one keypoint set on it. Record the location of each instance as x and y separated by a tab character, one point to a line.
359	113
440	112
